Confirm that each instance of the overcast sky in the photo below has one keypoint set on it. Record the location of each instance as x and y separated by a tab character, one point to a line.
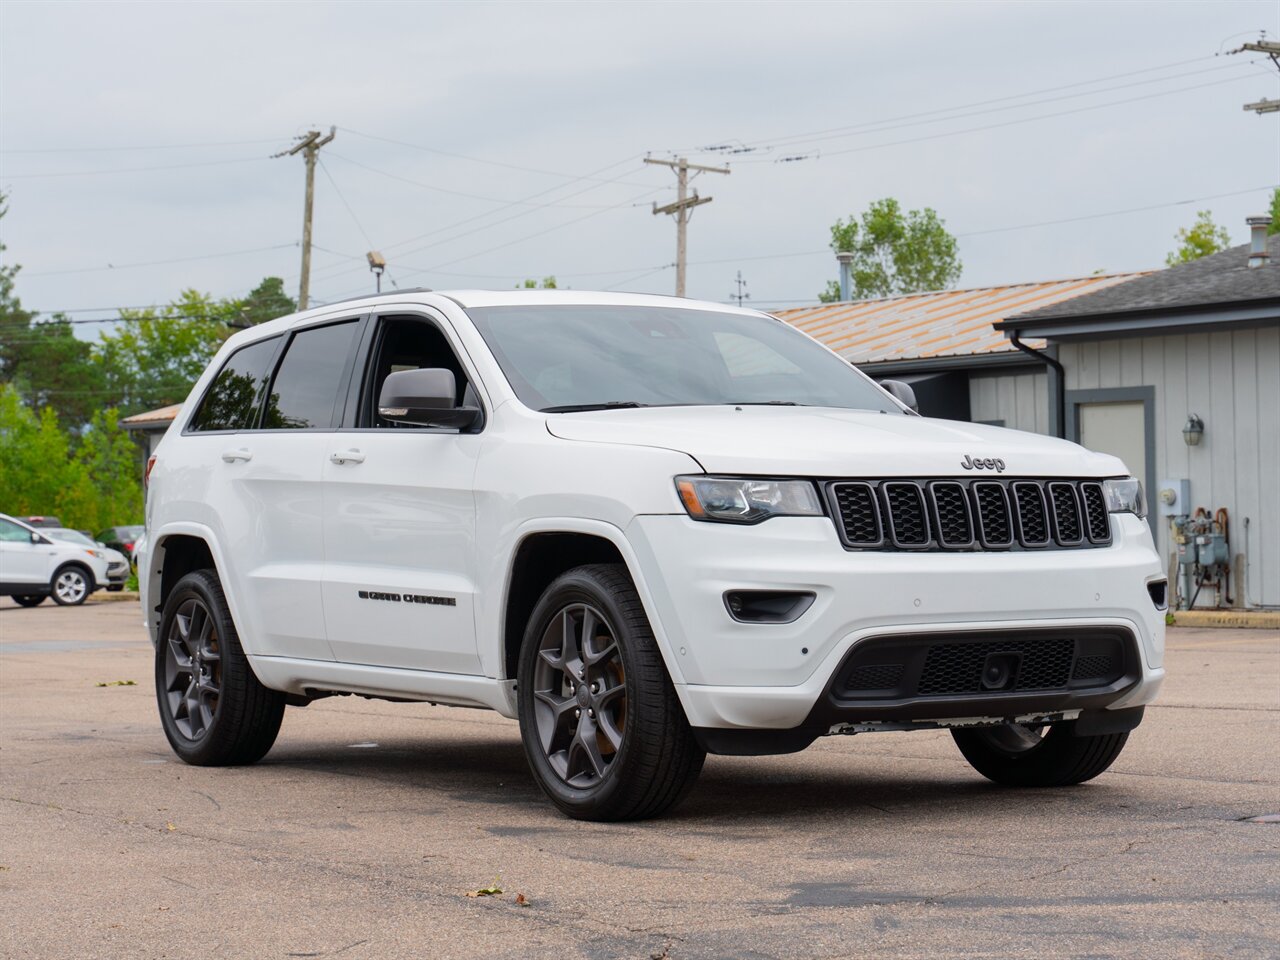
132	133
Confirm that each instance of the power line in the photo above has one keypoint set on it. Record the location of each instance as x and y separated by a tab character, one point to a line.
1010	123
457	193
156	263
94	173
901	121
166	146
494	163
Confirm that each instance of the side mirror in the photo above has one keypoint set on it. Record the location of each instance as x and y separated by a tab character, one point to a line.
37	538
425	398
901	392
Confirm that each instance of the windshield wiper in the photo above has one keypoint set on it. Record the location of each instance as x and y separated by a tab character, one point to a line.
765	403
607	405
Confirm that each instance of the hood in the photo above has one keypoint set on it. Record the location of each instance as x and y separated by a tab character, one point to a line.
826	442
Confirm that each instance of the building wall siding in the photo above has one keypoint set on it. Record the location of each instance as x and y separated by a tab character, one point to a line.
1231	378
1021	400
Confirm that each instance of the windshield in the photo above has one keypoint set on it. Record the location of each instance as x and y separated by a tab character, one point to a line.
68	536
573	357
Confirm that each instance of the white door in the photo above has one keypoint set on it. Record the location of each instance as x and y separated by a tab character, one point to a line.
1118	429
22	561
399	524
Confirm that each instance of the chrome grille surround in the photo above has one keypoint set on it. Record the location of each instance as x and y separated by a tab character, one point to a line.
958	514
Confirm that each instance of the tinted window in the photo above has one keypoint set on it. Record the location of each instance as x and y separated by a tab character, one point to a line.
232	400
574	356
305	390
406	343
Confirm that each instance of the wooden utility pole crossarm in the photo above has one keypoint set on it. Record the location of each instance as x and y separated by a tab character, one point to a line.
683	204
309	145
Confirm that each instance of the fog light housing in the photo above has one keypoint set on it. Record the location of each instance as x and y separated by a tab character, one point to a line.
768	606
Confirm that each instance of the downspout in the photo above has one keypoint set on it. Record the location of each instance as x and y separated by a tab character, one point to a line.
1057	382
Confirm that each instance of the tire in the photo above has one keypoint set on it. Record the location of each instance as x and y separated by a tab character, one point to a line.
30	599
639	757
115	588
228	717
71	585
1014	755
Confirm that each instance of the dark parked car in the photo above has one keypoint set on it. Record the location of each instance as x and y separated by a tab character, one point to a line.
121	538
41	521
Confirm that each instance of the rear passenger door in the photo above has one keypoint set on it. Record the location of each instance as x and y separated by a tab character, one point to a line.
262	432
399	518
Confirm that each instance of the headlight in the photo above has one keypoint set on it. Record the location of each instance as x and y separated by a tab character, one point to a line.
1124	495
730	500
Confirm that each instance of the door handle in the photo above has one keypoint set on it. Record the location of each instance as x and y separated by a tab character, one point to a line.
346	456
231	456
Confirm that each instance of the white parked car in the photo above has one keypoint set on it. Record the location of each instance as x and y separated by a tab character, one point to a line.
646	528
34	565
117	562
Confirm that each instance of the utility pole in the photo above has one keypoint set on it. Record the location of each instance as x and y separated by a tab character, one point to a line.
741	294
1272	49
310	145
684	203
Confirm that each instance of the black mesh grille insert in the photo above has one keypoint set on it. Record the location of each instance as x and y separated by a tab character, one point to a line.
1066	513
1095	509
956	668
993	514
951	511
1095	668
858	514
875	676
907	520
966	513
1033	523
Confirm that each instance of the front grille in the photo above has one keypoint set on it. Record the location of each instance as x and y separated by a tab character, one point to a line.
947	665
970	514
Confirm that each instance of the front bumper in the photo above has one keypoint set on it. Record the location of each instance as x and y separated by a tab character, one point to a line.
117	574
772	676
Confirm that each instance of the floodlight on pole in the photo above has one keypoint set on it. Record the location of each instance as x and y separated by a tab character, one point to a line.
377	263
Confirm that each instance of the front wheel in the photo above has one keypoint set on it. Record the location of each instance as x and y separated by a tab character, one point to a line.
1017	755
214	710
603	730
72	585
29	600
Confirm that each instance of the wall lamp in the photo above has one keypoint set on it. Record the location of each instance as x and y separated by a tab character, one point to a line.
1193	431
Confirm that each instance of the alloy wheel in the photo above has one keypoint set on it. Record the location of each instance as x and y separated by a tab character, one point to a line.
71	586
192	669
580	696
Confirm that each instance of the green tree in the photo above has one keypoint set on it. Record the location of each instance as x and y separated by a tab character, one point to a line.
894	253
266	301
1275	213
14	321
40	473
152	358
1203	238
546	283
109	458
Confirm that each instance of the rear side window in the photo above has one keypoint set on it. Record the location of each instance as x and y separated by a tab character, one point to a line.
232	400
305	391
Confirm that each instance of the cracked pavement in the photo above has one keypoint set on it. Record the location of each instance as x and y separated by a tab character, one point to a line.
362	831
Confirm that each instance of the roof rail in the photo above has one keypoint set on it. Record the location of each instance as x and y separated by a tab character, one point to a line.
372	296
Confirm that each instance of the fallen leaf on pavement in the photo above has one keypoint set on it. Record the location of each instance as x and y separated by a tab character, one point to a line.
118	683
521	900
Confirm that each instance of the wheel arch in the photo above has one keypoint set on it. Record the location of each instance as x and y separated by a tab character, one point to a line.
177	550
544	551
94	586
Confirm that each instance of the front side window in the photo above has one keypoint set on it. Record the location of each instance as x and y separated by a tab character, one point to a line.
572	357
231	402
408	343
10	532
304	393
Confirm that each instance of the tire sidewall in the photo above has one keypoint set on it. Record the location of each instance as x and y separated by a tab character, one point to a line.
572	588
71	568
191	586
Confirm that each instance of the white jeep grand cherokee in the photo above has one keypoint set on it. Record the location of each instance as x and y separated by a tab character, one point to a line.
647	528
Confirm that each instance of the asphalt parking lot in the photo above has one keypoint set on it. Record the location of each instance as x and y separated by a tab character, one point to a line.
362	832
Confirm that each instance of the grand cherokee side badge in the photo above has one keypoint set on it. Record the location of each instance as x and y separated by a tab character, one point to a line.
408	598
972	463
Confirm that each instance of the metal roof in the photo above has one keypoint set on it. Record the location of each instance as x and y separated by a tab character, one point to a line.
151	418
948	323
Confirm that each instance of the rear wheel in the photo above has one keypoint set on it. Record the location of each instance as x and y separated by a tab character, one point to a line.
604	733
30	600
214	710
1017	755
71	585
